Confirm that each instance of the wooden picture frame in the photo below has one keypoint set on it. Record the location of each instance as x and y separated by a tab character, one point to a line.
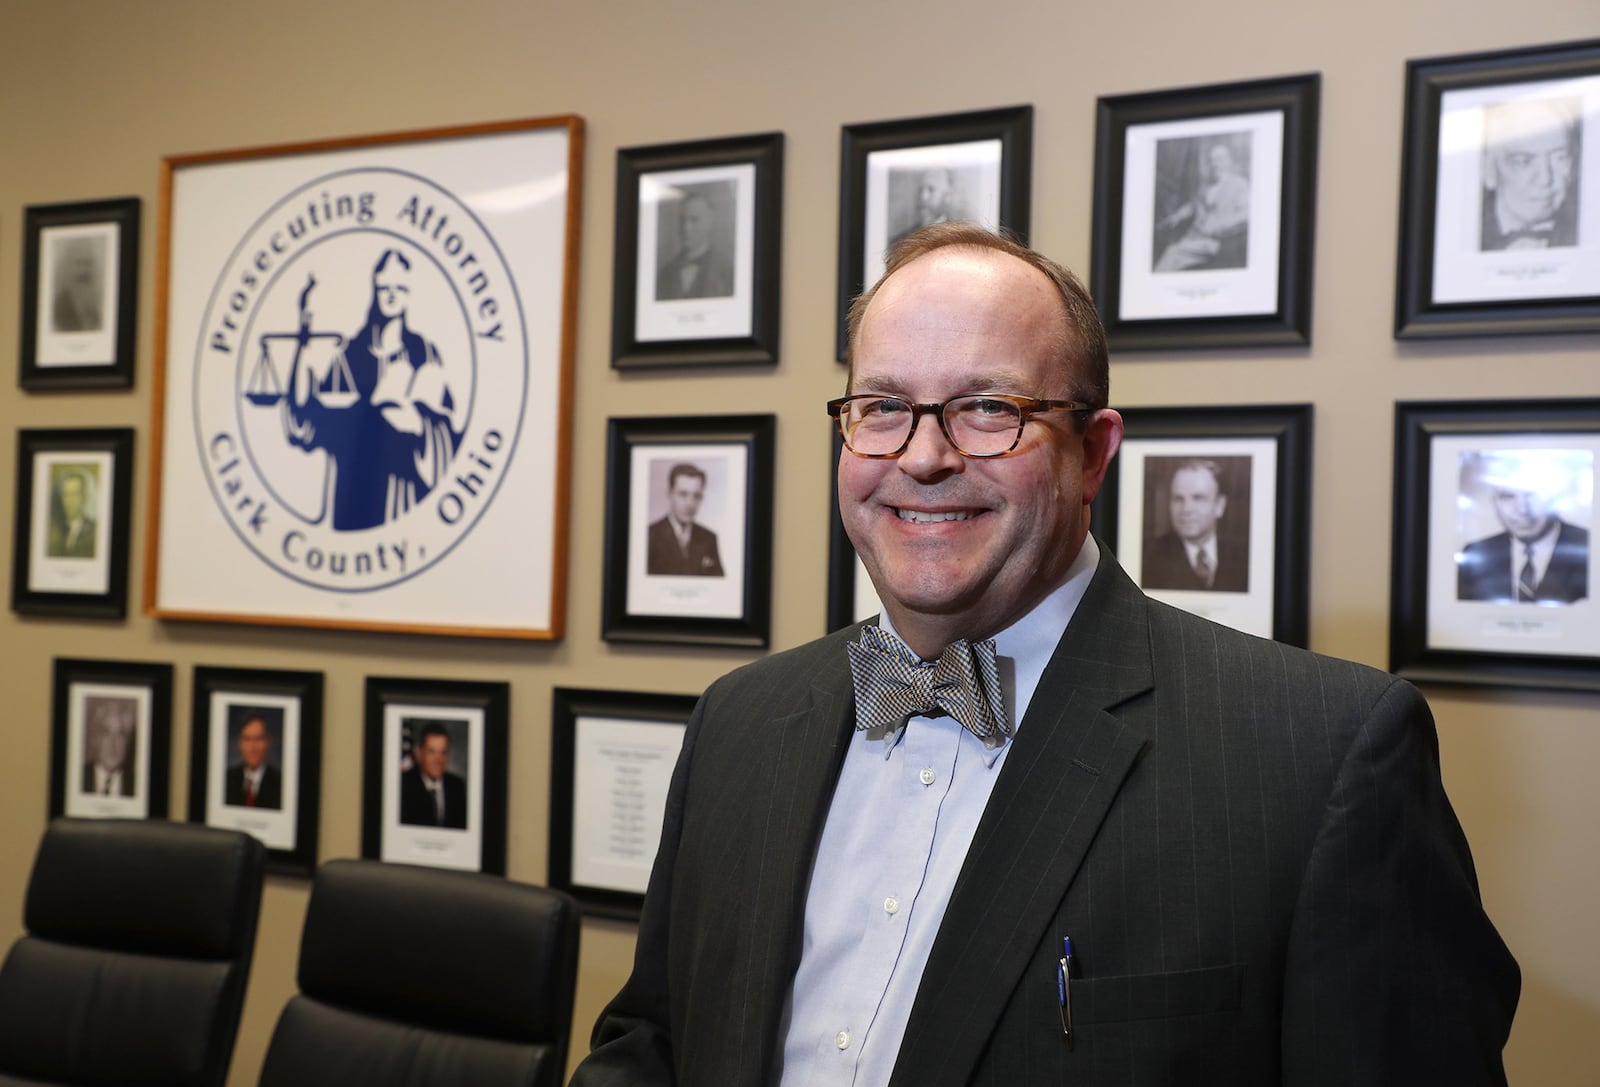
363	412
1240	475
710	582
255	759
71	534
1500	194
1204	215
111	736
698	262
1475	481
612	755
80	295
403	821
899	175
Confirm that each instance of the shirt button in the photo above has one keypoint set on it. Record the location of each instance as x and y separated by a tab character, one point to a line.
891	905
842	1039
926	776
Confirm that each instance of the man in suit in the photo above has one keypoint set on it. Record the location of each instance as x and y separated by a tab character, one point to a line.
700	268
1539	558
676	544
252	782
72	533
938	201
1530	164
76	306
430	795
109	741
1248	846
1191	555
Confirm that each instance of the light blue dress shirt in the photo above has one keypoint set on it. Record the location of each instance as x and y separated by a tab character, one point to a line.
897	833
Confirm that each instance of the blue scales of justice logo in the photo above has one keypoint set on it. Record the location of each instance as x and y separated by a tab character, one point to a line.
353	451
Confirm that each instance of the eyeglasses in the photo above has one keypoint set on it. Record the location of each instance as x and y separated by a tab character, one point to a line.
977	425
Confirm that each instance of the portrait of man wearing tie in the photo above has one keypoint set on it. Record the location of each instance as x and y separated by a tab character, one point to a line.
1204	548
699	260
110	746
1531	174
676	545
72	533
1540	557
1028	825
432	795
255	781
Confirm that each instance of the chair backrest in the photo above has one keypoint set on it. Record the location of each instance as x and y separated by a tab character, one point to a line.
427	976
140	936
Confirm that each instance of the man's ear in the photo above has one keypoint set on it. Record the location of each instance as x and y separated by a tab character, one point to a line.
1102	436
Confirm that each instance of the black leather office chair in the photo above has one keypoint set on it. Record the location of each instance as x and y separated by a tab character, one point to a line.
422	976
138	948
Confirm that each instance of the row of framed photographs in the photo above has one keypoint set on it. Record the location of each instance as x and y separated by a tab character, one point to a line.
1203	218
434	767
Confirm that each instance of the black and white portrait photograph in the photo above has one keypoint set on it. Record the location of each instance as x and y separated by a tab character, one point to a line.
695	254
898	176
73	489
1202	203
110	730
1197	523
1500	194
1201	217
697	259
436	773
689	509
688	529
1204	214
1524	521
256	759
79	280
1515	213
1210	509
1495	569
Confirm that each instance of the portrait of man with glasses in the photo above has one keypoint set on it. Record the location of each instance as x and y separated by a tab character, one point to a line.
1029	825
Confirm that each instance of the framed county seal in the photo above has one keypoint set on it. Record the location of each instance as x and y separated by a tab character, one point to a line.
364	381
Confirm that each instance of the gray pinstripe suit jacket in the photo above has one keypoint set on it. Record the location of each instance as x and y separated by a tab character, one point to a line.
1249	845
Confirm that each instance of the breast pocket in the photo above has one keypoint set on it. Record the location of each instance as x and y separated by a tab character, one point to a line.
1133	997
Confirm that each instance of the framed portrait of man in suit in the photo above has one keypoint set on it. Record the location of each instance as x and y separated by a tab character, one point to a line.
79	294
897	176
434	773
1204	220
1500	197
612	754
1494	572
698	253
1209	508
71	529
111	730
689	530
256	759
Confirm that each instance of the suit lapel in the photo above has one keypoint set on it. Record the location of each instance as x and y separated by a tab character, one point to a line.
1068	761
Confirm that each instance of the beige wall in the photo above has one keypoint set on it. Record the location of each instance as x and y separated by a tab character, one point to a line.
94	92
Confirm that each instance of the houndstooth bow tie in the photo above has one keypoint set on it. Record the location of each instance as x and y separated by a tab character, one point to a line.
892	685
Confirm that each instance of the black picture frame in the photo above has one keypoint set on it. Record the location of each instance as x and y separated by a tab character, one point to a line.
1453	613
79	335
737	184
1234	288
284	709
1238	445
475	717
879	164
90	700
62	565
717	590
1463	268
602	845
851	596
